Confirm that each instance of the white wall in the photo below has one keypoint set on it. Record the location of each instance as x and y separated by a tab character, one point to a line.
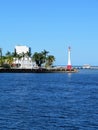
21	49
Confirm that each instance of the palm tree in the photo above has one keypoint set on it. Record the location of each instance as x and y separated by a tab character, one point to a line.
44	52
38	58
10	60
29	52
43	58
8	53
50	60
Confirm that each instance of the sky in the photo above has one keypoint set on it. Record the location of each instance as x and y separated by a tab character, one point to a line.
53	25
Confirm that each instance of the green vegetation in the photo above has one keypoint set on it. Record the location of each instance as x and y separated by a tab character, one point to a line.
42	59
7	60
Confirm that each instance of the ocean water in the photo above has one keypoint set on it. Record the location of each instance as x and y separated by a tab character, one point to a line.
57	101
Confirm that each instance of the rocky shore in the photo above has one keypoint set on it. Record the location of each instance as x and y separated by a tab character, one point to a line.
41	70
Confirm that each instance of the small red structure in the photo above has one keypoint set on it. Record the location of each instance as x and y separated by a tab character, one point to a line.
69	67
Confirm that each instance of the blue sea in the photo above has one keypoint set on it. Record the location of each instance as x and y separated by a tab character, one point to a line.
52	101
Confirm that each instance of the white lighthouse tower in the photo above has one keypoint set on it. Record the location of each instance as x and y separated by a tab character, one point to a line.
69	66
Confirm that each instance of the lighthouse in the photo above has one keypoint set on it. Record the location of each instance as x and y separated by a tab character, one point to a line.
69	66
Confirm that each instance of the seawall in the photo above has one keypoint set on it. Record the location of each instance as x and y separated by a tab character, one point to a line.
37	71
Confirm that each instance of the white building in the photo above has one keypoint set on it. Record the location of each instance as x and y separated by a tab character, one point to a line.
22	49
86	66
25	62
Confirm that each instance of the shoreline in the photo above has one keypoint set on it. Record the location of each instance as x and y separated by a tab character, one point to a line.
41	70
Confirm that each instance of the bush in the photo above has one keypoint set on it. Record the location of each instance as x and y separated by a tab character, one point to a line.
6	66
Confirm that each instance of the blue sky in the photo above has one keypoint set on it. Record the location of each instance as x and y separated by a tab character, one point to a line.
52	25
